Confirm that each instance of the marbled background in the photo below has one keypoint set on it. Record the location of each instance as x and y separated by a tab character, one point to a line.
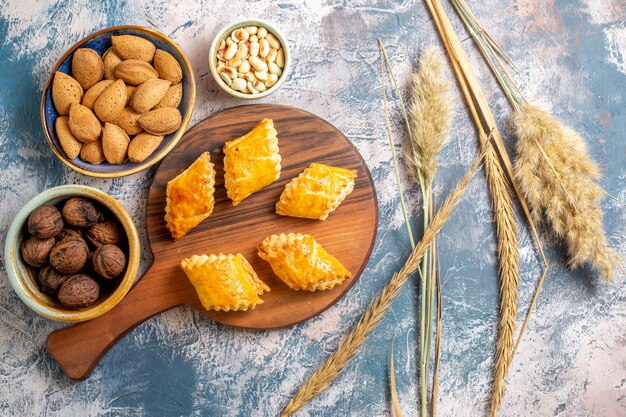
572	360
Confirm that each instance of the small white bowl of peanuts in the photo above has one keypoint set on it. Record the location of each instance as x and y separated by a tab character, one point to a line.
249	59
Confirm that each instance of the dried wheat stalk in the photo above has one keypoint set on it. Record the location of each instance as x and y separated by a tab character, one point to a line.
321	379
508	252
557	176
430	116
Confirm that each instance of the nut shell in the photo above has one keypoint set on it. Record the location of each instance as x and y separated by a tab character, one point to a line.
135	72
105	233
69	255
167	66
110	60
111	101
45	222
109	261
92	152
172	97
91	95
79	291
65	91
87	67
84	124
133	47
50	281
143	145
80	212
67	232
114	144
71	146
128	121
35	251
161	121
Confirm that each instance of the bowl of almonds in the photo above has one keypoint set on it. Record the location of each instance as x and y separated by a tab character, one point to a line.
118	101
249	59
72	253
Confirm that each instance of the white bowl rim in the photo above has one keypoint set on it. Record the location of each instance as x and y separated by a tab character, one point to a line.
247	22
13	234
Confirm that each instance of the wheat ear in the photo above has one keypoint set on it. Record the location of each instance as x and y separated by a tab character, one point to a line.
506	229
508	257
321	379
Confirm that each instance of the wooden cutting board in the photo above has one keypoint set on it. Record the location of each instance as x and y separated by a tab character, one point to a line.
348	233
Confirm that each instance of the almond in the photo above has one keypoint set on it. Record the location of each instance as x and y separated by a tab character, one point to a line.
94	92
65	91
161	121
84	125
110	60
148	94
133	47
92	152
172	97
135	72
167	66
87	67
128	121
130	89
114	143
142	146
71	145
111	102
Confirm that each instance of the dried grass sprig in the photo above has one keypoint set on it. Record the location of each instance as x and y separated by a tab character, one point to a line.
396	411
321	379
496	168
430	114
392	147
605	257
557	176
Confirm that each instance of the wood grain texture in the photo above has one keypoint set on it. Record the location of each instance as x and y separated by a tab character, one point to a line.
348	233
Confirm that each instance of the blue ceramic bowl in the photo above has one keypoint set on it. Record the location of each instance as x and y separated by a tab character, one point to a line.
101	41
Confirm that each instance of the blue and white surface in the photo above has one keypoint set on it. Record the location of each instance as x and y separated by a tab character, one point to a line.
572	360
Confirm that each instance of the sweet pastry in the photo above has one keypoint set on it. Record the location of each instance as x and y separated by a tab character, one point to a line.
302	263
224	282
316	192
190	197
251	162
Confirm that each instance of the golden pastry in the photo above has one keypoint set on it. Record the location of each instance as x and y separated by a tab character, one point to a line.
316	192
302	263
224	282
190	197
251	162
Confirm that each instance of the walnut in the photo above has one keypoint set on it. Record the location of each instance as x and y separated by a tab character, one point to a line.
69	255
45	222
50	280
67	232
35	251
105	233
80	212
79	291
109	261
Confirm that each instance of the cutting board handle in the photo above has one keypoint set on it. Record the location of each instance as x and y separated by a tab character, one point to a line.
79	348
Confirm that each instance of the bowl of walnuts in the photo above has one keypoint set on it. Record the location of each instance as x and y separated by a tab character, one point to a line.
118	101
72	253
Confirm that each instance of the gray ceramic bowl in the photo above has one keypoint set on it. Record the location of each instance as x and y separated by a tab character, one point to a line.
23	278
101	41
222	34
